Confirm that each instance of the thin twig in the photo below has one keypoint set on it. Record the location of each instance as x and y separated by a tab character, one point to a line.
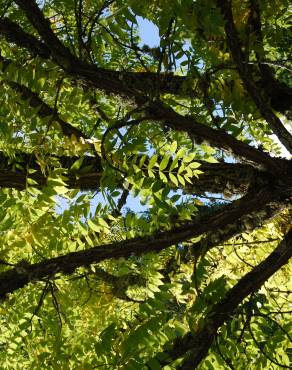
119	124
260	347
227	361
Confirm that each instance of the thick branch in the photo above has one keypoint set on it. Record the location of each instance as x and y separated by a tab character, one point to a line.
142	82
15	34
87	177
59	52
247	223
279	93
245	73
103	79
16	278
222	311
227	178
199	342
218	138
44	109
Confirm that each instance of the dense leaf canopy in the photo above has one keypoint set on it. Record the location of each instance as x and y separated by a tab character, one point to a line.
145	190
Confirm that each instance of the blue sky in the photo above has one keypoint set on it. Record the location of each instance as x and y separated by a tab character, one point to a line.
149	33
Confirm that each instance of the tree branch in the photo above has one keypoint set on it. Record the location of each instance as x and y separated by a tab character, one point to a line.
142	82
223	310
228	178
219	138
59	52
12	176
103	79
15	34
197	344
245	73
279	93
44	109
247	223
15	278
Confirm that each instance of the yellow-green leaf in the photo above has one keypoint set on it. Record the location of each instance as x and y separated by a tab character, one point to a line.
93	226
173	147
174	164
181	180
163	177
164	163
152	161
173	179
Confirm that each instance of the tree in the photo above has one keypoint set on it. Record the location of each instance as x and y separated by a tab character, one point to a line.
199	277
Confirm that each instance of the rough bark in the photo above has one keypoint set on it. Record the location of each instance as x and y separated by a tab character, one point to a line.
218	138
144	82
103	80
231	214
227	178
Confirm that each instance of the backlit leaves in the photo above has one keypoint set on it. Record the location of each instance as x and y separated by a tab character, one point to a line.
126	313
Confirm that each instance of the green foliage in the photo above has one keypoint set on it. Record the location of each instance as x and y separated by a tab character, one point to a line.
127	312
